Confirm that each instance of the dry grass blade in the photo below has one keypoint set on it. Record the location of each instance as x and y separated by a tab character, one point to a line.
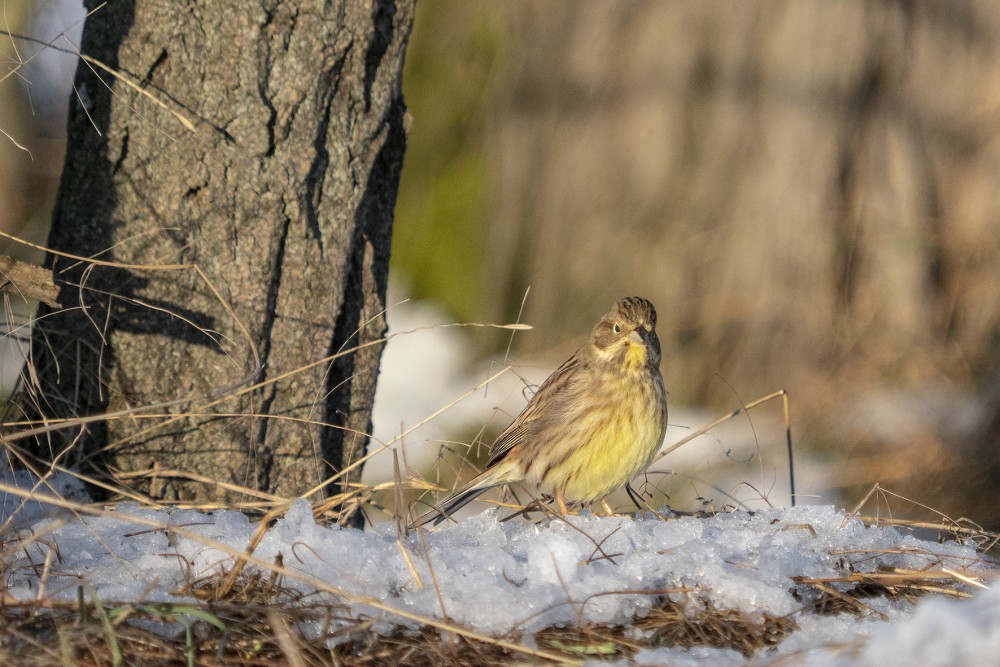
849	600
745	409
17	145
409	564
286	640
705	429
237	570
960	529
195	477
93	260
141	90
965	579
897	581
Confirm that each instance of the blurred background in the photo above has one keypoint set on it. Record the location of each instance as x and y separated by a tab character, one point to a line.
806	190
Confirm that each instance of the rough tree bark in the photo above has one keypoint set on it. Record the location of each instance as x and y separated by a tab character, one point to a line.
283	195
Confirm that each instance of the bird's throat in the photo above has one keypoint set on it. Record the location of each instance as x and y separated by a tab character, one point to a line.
635	356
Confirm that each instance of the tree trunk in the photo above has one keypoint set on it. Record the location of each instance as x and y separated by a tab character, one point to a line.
282	194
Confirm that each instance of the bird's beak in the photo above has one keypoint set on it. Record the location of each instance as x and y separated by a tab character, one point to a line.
644	337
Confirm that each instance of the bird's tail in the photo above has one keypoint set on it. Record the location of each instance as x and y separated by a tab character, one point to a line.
453	504
474	489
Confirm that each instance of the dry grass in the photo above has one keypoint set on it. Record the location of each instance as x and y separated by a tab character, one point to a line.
254	641
250	632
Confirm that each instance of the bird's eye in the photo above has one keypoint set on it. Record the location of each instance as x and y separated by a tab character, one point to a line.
618	328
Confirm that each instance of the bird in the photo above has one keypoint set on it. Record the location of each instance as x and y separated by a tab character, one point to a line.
595	423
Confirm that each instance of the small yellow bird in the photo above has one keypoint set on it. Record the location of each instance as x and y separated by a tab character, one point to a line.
594	424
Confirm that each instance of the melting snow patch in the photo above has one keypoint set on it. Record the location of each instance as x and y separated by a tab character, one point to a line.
510	578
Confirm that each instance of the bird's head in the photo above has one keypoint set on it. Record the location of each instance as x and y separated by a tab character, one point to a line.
628	333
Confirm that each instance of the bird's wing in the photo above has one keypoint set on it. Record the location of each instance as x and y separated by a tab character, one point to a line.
514	435
521	427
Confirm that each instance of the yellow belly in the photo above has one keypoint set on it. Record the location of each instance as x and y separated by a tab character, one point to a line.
610	449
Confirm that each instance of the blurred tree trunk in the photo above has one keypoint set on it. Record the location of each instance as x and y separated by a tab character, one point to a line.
283	194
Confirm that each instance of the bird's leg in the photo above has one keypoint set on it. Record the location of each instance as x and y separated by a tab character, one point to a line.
607	508
562	504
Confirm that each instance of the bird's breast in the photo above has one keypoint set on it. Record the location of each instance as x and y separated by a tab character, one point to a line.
611	437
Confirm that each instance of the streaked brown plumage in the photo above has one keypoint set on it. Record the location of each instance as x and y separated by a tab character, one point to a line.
593	425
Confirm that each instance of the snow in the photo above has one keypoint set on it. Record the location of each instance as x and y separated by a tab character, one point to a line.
942	632
520	577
